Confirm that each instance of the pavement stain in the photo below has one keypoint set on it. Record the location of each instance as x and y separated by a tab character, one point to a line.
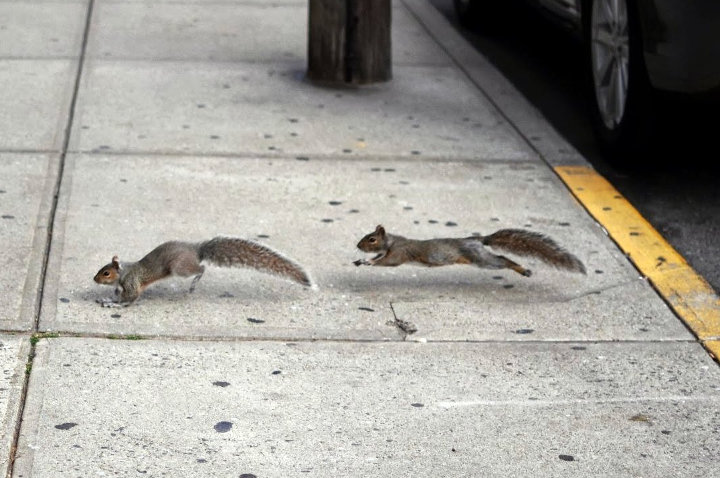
66	426
223	427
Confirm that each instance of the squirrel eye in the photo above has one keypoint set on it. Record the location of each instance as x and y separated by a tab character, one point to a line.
372	240
106	273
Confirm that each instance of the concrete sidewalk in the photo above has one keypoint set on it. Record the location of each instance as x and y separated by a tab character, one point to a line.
184	120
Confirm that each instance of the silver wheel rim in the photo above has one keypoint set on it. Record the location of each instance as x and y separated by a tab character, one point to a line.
609	49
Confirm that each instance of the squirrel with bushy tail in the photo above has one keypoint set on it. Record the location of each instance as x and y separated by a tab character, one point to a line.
183	259
394	250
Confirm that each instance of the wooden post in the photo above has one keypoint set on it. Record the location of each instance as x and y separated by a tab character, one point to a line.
349	41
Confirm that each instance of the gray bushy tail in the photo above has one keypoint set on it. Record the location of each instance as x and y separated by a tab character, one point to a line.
529	243
236	252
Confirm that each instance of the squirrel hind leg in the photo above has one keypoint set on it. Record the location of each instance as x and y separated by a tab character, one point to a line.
475	254
196	279
508	264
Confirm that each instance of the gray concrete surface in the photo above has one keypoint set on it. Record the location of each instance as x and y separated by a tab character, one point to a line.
193	119
14	351
26	185
359	409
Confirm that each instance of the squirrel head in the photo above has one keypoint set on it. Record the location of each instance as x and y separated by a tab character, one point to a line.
376	241
109	273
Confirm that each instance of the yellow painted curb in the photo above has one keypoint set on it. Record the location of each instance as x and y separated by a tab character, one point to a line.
713	347
685	290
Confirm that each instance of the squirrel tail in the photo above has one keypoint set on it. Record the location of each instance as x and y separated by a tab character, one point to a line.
236	252
529	243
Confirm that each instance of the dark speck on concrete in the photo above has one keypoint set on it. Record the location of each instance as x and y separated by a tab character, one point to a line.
415	152
276	372
389	170
578	347
66	426
598	271
495	219
498	277
226	295
375	170
302	158
293	120
408	208
247	475
367	309
451	224
335	203
64	300
417	405
201	105
223	427
221	384
123	180
508	286
214	136
432	221
566	457
328	220
253	320
564	224
354	211
201	460
116	316
346	150
665	432
263	236
524	331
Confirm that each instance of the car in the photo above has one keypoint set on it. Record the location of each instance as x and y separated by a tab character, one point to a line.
633	50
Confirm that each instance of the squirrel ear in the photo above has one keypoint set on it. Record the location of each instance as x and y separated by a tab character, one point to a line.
116	262
380	230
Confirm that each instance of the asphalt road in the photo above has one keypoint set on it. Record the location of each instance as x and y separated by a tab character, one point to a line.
676	185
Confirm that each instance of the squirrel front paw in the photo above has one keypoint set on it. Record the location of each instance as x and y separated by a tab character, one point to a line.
361	262
108	302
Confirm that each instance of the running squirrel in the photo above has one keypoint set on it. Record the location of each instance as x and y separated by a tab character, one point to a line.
395	250
183	259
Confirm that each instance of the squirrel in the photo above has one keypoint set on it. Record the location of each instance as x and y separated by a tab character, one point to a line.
395	250
183	259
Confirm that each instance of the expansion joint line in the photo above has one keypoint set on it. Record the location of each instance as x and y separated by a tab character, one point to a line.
49	234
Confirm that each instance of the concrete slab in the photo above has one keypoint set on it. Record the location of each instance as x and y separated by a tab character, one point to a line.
41	30
261	31
392	409
628	312
14	353
320	209
36	98
26	188
251	108
219	31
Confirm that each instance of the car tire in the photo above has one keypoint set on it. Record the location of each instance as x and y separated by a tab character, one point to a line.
619	89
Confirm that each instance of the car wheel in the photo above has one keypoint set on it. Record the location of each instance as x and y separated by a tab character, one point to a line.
620	89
